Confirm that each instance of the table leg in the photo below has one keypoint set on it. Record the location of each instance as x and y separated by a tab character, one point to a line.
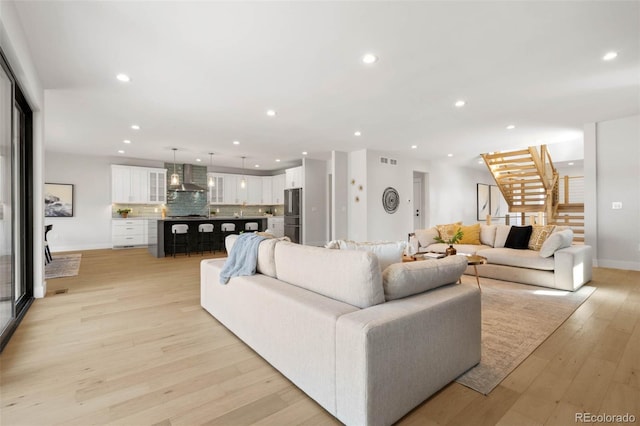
475	268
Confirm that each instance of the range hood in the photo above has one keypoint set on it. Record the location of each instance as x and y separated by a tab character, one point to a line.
187	184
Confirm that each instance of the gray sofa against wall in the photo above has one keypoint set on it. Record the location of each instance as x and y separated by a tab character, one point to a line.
568	267
360	343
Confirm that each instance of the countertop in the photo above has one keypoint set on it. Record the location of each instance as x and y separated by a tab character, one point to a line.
181	219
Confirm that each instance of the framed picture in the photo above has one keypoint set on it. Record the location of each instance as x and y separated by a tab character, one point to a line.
58	200
484	201
495	202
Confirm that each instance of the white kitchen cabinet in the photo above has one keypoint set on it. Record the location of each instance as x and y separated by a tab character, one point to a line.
157	186
277	189
230	189
138	185
128	232
216	192
267	190
276	226
254	190
293	177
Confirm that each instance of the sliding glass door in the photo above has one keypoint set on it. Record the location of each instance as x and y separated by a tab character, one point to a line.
7	234
16	204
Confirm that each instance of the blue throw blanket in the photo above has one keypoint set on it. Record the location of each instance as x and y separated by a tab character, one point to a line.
243	257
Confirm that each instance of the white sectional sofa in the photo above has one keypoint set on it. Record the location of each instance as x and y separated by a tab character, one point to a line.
565	268
367	346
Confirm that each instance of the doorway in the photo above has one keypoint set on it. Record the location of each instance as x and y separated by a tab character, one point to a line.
419	211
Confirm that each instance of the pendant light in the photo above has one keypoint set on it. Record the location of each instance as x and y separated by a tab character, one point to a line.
175	178
211	182
243	181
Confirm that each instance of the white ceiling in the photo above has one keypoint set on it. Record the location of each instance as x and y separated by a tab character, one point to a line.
204	74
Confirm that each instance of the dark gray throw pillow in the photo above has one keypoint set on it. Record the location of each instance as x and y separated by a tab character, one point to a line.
518	237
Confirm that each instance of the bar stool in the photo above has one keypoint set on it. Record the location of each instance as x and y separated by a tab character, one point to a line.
180	237
251	226
205	237
227	229
47	251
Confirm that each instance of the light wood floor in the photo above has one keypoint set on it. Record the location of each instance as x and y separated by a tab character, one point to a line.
128	344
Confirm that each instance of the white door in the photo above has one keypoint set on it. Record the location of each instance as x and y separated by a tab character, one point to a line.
418	203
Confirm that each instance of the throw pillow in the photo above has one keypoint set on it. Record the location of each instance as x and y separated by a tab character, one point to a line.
488	235
539	235
470	234
556	241
502	232
448	231
518	237
426	236
405	279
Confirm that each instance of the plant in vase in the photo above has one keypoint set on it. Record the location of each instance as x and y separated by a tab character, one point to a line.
455	238
124	212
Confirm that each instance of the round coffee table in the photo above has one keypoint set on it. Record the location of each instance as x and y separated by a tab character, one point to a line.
475	260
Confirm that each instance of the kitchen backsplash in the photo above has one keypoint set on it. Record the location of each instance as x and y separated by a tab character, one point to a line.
155	210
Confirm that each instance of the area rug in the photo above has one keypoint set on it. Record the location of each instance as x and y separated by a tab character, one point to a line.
516	319
63	265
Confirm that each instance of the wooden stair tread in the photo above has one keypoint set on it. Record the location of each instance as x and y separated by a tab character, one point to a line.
507	154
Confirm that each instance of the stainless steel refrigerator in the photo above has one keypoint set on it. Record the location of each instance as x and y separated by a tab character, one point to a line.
293	214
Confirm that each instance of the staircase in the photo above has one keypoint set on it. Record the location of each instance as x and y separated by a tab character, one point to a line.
530	184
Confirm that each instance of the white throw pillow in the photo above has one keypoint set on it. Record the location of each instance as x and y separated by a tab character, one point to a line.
426	236
387	253
406	279
556	241
502	232
488	234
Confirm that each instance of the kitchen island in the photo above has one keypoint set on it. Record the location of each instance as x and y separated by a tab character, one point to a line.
161	239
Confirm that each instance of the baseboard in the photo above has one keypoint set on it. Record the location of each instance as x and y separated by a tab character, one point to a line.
617	264
80	247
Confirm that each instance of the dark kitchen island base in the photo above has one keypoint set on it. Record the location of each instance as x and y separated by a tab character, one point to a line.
161	239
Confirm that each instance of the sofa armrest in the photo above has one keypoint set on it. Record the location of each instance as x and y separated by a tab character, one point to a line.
573	267
393	356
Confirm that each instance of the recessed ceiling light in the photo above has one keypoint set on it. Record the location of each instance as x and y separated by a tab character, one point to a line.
369	58
271	113
449	155
198	160
414	146
135	127
609	56
127	141
236	142
571	164
277	160
256	165
123	77
304	152
357	133
460	103
511	127
120	151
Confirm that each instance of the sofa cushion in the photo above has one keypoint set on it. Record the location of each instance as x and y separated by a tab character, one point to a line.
502	232
349	276
387	252
539	235
488	234
426	237
266	264
470	234
405	279
518	237
517	257
556	241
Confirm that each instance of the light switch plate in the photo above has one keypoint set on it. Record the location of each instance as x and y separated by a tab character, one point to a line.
616	205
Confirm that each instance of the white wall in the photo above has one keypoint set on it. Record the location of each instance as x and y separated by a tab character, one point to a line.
617	179
357	210
314	201
340	194
16	50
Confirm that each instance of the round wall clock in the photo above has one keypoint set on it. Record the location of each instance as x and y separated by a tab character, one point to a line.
390	200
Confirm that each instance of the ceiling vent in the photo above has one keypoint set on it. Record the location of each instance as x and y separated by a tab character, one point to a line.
384	160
